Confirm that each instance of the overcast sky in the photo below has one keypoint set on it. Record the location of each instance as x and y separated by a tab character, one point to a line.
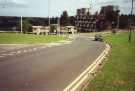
39	8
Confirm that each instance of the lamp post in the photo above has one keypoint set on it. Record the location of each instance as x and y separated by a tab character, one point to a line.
118	19
49	15
21	23
130	25
58	29
116	8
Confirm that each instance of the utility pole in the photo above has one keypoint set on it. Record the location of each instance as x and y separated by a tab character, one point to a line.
118	16
49	15
130	25
58	29
118	21
21	22
116	8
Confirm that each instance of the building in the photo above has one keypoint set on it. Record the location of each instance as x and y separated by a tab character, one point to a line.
71	29
54	29
40	30
85	22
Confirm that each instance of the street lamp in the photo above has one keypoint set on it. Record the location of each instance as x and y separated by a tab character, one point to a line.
49	14
130	30
21	22
58	29
118	19
116	8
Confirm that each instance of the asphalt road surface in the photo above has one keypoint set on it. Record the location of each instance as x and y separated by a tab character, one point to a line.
49	69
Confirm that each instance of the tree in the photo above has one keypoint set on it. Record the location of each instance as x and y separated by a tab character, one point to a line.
64	19
26	26
110	14
72	20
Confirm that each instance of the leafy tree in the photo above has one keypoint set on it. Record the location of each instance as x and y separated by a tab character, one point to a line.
72	20
26	26
64	20
110	14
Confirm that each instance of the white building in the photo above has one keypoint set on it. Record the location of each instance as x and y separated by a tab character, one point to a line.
40	30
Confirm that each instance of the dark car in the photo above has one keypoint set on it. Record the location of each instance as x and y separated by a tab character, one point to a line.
98	37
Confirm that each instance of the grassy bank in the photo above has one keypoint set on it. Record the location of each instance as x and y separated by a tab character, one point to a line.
118	74
15	38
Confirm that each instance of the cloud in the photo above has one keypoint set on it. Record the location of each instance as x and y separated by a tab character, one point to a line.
101	2
128	1
104	2
13	3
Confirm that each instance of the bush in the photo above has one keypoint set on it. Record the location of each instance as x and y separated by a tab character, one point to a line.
27	27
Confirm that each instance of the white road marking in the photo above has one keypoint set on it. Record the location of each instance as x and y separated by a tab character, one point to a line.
34	49
49	46
18	52
10	54
2	56
24	51
13	52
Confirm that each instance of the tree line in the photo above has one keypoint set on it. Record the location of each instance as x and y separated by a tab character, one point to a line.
105	18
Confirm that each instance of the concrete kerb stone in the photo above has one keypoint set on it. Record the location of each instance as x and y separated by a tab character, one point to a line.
83	79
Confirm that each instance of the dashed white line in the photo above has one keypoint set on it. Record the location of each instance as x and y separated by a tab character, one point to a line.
25	51
34	49
2	56
10	54
49	46
18	52
13	52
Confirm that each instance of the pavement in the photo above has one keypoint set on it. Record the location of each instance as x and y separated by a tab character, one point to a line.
46	68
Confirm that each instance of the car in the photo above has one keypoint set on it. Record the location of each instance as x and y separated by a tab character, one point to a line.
98	37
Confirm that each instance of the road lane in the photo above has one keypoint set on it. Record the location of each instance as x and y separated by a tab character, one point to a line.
50	69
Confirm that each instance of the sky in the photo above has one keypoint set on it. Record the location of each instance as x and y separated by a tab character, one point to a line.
44	8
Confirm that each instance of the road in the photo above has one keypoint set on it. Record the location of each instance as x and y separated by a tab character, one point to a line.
48	69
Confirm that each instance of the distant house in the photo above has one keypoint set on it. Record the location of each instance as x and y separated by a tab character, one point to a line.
68	29
71	29
63	30
53	29
40	30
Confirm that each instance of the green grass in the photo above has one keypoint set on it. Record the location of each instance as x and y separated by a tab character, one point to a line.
15	38
118	74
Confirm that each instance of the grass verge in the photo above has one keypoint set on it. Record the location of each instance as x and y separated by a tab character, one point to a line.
15	38
118	74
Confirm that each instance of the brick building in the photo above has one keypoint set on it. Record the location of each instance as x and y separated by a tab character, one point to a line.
85	22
